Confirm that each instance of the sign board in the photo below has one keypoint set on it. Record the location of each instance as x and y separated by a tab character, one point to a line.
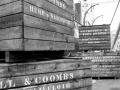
95	37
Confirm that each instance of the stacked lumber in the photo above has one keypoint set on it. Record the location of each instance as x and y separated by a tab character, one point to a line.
105	66
60	74
36	25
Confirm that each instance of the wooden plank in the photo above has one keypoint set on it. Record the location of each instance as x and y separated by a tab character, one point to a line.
11	33
12	45
23	81
42	24
11	8
6	1
11	21
19	69
52	8
47	45
62	5
41	13
68	85
32	33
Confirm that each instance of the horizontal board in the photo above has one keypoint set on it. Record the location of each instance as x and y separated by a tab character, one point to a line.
39	23
11	45
32	33
41	13
11	8
36	45
97	36
51	7
17	19
11	33
94	48
31	80
94	27
17	7
13	20
6	1
60	86
69	2
8	70
63	5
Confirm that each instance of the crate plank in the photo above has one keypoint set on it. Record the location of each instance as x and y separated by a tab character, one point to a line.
68	85
11	33
47	45
52	8
11	8
13	20
12	45
18	69
6	1
39	23
17	19
32	33
30	80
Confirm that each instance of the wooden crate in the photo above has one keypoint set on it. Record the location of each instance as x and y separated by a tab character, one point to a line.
61	74
26	26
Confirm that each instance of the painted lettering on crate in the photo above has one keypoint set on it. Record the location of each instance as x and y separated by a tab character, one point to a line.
32	80
58	3
49	15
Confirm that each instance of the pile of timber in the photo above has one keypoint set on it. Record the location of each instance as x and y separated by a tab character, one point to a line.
36	25
60	74
105	66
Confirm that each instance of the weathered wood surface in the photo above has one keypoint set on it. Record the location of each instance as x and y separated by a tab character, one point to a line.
68	85
51	8
17	7
11	45
6	1
13	20
47	45
11	33
31	80
7	70
32	33
17	19
11	8
63	5
39	23
34	45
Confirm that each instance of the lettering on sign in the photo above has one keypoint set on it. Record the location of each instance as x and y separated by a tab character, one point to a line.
38	79
58	3
50	87
44	13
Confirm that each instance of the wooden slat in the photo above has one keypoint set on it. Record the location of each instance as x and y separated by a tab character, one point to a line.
8	70
11	8
6	1
47	45
60	86
32	33
13	20
31	80
11	33
52	8
12	45
39	23
62	5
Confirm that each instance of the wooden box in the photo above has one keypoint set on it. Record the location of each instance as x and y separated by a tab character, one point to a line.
36	25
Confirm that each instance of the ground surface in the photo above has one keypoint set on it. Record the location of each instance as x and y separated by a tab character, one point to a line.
106	84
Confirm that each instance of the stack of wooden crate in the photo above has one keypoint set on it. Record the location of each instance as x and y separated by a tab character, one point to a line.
60	74
105	66
36	25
